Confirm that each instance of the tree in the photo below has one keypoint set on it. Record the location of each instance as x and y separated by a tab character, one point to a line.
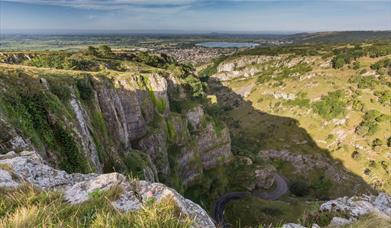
105	51
92	51
338	62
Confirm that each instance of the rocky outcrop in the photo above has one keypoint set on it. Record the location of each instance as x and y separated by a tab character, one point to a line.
105	117
28	167
359	206
249	66
305	163
214	145
195	115
85	136
10	139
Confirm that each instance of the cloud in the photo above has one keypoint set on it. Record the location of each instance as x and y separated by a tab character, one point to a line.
110	4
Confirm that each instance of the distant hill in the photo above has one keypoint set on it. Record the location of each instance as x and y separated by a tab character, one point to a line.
339	37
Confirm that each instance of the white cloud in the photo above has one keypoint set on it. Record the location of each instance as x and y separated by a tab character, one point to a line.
110	4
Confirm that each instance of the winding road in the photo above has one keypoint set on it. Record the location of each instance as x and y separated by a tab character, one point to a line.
218	211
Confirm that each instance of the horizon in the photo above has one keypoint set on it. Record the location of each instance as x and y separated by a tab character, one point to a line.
193	16
169	32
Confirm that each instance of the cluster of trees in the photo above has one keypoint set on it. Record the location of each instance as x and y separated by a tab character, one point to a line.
343	56
370	124
382	66
346	56
331	106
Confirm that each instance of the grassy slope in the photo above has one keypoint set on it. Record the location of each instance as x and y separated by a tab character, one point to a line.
326	80
28	207
252	131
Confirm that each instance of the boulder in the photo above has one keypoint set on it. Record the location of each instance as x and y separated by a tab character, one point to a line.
195	116
338	221
264	177
78	188
358	206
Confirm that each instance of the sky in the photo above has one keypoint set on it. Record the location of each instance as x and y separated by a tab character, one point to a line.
194	15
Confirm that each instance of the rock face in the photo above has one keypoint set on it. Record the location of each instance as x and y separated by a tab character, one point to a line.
104	118
28	167
305	163
250	66
264	178
361	205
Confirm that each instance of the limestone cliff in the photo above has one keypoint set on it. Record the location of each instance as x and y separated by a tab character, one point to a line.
112	121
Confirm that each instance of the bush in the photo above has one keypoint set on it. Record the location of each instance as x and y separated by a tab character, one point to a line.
322	187
79	63
369	125
105	51
92	51
338	62
196	86
364	82
331	106
136	162
377	142
49	61
301	100
85	89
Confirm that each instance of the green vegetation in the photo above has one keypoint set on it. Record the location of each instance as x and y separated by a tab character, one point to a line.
136	163
301	101
31	112
331	106
370	124
253	210
28	207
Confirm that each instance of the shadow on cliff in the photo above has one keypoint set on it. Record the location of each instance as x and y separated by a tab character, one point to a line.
254	133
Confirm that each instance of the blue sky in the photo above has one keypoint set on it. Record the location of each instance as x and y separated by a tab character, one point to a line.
195	15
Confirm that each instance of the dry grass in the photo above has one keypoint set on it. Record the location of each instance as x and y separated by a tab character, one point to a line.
29	207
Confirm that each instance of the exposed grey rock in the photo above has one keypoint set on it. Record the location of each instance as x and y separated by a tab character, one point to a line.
264	177
36	173
358	206
195	115
214	147
305	163
155	145
338	221
292	225
80	191
10	139
85	136
79	188
6	180
190	164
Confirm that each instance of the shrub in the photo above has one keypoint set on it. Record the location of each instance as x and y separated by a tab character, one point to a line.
136	162
338	62
377	142
331	106
92	51
322	187
356	65
369	125
79	63
301	100
85	89
196	86
384	97
105	51
49	61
